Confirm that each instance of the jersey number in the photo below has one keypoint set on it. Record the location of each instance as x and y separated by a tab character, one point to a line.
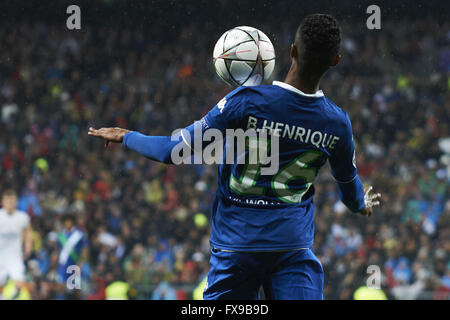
298	169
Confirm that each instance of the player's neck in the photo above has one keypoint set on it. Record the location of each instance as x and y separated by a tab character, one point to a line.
304	81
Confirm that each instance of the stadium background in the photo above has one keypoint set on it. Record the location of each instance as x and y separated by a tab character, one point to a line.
146	65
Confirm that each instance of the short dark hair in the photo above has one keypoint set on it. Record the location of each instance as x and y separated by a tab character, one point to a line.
318	39
9	193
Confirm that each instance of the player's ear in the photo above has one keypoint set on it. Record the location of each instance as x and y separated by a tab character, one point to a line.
294	52
336	60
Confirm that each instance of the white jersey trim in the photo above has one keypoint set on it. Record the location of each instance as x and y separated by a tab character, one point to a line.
317	94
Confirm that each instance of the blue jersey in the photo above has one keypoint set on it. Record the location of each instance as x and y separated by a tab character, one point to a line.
254	212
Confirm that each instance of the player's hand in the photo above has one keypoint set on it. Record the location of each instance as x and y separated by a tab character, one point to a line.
109	134
371	200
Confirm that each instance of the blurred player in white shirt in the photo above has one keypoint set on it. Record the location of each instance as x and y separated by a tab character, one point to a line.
15	241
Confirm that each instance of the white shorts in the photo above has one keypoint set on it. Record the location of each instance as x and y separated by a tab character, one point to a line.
14	271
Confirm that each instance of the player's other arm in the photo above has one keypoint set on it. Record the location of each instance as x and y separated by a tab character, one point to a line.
343	168
28	241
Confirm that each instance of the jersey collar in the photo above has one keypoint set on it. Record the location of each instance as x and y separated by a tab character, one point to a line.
286	86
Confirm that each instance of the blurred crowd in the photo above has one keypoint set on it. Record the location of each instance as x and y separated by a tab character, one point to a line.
146	223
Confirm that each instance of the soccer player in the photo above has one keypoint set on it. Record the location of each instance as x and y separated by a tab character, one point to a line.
262	225
15	241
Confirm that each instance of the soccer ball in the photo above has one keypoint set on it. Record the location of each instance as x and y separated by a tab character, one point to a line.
244	56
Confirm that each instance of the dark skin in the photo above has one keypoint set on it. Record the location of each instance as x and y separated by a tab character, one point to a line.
300	77
115	134
305	81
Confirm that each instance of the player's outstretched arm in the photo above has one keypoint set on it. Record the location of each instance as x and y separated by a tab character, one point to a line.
222	116
157	148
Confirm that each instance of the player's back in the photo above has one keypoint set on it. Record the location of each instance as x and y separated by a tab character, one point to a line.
253	211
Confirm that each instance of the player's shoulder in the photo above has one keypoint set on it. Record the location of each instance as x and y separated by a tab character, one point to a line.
333	108
334	111
243	97
252	94
242	92
259	89
20	212
22	215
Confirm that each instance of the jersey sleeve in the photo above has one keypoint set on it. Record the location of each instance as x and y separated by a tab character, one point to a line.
157	148
343	168
342	160
228	112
